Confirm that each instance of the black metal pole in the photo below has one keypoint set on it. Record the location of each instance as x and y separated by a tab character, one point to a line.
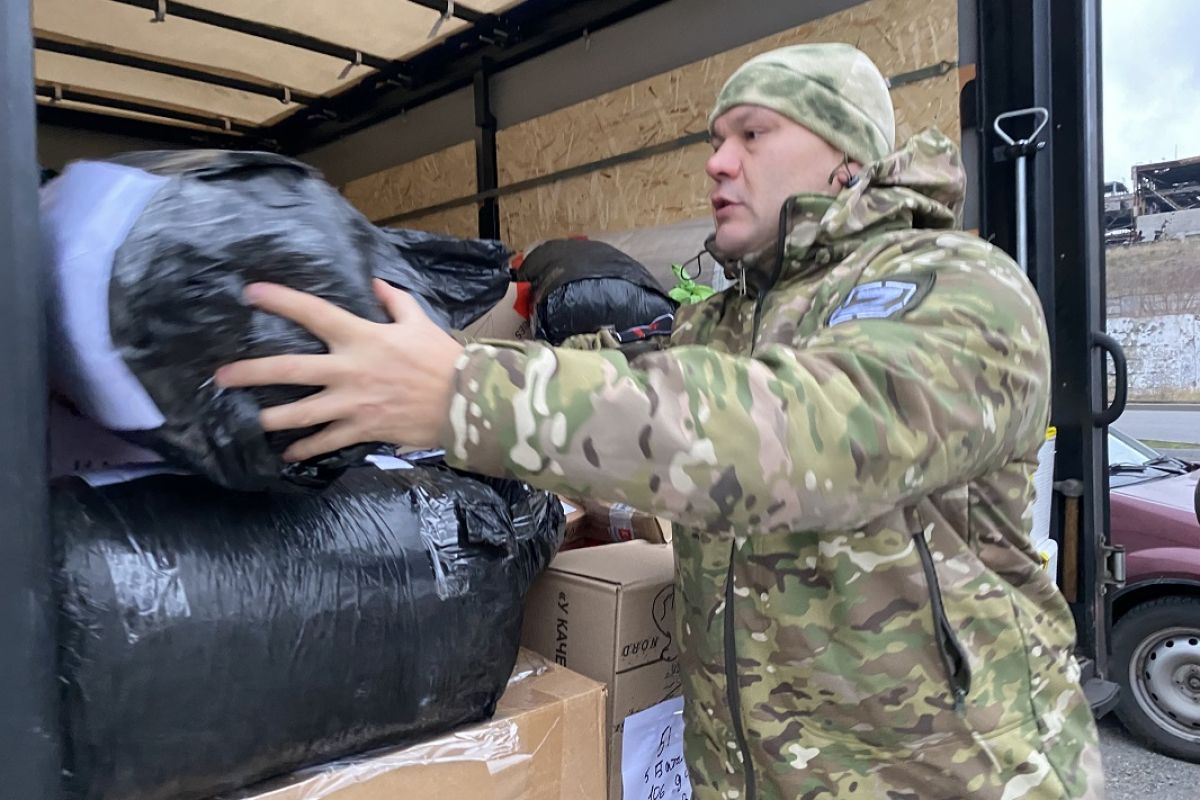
30	766
1046	53
487	170
1080	286
1014	73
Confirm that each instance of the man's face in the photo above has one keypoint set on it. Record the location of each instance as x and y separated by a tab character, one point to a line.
760	158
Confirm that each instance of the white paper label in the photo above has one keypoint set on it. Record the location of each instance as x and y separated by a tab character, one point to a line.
132	472
388	462
620	522
652	765
1043	484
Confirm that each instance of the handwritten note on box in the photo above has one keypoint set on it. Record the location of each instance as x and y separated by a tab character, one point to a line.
652	766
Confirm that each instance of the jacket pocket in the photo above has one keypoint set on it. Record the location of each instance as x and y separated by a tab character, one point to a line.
954	657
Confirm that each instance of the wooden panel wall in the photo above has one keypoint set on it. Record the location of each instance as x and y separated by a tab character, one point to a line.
900	35
427	181
660	189
462	221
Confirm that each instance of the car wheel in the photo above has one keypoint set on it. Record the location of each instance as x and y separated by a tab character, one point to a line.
1156	655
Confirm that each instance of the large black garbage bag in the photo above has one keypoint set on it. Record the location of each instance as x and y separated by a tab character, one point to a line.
456	280
462	277
209	641
581	286
151	258
152	252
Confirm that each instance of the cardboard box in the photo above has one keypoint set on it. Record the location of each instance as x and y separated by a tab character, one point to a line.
576	517
507	320
546	742
617	522
609	613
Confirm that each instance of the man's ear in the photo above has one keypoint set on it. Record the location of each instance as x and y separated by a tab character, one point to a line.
845	174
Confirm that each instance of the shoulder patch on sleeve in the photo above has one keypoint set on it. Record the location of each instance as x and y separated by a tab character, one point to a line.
882	299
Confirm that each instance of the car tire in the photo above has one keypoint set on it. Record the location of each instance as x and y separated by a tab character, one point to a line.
1156	661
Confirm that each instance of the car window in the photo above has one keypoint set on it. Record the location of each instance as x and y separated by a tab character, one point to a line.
1123	450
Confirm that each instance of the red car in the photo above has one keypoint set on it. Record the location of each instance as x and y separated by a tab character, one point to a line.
1156	615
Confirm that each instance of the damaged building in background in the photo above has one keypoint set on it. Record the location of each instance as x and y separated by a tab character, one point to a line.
1164	203
1153	296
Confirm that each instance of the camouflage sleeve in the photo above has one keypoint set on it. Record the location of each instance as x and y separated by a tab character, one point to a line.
600	340
863	416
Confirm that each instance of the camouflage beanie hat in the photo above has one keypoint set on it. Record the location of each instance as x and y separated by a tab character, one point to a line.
834	90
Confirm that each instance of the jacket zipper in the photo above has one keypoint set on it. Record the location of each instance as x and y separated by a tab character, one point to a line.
731	673
954	658
785	213
731	682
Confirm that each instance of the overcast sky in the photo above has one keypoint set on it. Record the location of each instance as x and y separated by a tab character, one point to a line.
1151	51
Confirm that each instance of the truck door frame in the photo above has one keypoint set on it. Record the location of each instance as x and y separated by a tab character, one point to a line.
1047	53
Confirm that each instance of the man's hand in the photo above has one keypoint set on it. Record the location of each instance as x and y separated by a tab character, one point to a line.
389	383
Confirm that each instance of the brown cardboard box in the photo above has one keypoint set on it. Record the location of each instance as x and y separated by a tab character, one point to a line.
576	518
617	522
609	613
546	742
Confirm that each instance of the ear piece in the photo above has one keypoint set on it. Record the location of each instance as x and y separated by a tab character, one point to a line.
847	179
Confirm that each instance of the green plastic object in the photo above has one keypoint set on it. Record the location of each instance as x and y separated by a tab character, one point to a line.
687	291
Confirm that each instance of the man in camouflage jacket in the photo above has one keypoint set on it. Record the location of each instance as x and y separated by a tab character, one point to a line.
846	442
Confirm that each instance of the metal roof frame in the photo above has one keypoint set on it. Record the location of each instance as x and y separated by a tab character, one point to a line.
457	10
528	30
56	93
137	128
492	42
260	30
110	55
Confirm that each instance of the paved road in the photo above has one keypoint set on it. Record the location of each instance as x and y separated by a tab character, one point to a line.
1164	423
1134	773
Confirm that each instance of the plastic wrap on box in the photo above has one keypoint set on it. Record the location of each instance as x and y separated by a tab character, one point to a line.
546	742
211	640
617	522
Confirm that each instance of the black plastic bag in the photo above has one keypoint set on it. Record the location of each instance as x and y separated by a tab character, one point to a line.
582	286
210	640
456	280
464	278
152	253
176	312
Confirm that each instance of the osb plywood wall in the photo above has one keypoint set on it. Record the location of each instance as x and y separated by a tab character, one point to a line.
461	221
427	181
900	35
660	189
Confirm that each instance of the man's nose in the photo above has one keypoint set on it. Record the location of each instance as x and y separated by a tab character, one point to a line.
724	162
